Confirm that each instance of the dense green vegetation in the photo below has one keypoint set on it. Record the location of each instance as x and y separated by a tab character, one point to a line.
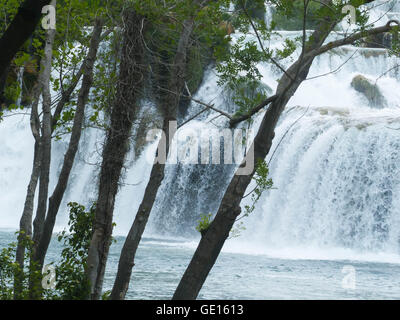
70	281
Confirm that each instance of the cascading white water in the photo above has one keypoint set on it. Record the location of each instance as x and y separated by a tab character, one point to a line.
336	171
337	181
335	166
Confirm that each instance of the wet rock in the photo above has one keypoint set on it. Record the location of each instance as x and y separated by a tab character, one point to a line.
369	90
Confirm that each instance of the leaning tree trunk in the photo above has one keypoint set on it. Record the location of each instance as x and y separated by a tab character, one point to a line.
214	238
129	88
19	31
126	260
170	102
69	157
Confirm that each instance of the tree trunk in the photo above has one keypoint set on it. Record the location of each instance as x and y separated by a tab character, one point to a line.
129	88
27	214
26	219
58	194
19	31
213	240
25	225
170	102
45	140
126	261
25	230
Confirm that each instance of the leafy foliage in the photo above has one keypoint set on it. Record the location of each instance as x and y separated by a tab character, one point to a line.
289	15
262	183
395	34
11	270
247	94
8	9
71	281
204	223
236	230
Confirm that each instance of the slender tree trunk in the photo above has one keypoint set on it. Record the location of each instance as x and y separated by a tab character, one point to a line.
45	142
170	102
25	225
129	88
126	261
45	139
26	219
25	230
214	238
57	196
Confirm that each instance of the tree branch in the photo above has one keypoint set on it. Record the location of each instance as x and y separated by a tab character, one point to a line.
235	120
351	39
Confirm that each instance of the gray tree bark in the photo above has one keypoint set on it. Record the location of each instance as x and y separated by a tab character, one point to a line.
129	89
45	142
25	225
170	104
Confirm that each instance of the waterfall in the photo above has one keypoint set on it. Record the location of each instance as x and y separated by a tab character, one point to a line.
337	181
335	166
